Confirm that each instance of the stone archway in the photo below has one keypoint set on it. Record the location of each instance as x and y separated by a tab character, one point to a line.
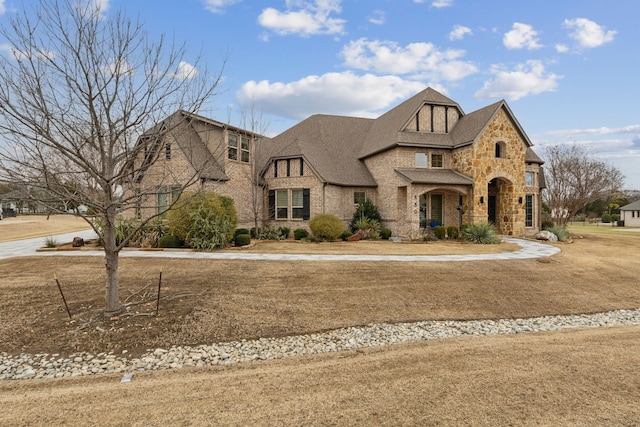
500	208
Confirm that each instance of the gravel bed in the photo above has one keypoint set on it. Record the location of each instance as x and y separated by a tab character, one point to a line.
26	366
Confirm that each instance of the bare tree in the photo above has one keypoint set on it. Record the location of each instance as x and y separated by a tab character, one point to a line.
77	89
574	179
254	121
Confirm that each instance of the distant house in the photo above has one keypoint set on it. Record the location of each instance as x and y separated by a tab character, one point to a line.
423	163
630	214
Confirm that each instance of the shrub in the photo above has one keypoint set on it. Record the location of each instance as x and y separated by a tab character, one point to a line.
385	233
345	235
208	230
50	242
452	232
546	221
284	232
606	218
440	231
204	220
242	239
169	241
367	227
241	231
484	233
300	233
561	233
366	210
268	233
326	227
615	217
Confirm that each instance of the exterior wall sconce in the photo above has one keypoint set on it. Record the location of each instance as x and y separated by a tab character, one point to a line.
520	200
481	199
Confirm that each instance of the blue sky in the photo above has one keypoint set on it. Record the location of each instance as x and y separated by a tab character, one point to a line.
568	69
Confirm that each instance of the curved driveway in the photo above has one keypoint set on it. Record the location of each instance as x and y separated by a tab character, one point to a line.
529	249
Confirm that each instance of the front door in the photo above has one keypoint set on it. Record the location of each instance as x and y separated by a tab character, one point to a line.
491	207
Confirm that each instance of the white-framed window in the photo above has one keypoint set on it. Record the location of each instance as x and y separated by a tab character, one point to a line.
528	211
245	149
297	204
287	204
232	142
437	160
359	197
165	197
239	147
282	204
421	160
528	179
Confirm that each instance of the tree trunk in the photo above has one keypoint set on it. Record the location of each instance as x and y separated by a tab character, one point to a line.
111	255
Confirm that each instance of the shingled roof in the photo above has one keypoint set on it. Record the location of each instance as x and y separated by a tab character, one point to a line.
434	176
179	125
334	146
329	144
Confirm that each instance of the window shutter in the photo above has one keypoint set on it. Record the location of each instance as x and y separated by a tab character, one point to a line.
272	204
306	204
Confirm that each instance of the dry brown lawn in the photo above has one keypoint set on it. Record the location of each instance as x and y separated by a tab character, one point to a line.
25	227
587	377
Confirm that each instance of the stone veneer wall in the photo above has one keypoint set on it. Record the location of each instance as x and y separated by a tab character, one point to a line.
479	162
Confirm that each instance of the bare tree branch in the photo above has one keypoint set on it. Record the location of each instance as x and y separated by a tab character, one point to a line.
78	89
574	179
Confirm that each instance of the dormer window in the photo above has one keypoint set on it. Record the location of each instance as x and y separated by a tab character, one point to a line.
421	160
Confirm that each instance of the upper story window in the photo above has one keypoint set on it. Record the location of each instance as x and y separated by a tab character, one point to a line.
528	179
500	150
245	149
437	160
233	146
239	147
421	160
167	151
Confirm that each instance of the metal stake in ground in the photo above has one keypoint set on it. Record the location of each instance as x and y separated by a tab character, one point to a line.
64	300
158	300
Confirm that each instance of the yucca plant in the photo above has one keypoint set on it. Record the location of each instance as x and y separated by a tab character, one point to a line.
561	232
50	242
484	233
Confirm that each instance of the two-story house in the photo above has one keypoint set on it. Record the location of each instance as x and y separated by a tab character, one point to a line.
424	162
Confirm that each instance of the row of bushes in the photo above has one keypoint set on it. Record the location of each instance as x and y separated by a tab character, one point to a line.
208	221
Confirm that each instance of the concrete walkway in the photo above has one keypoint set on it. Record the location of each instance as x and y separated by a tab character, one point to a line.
529	249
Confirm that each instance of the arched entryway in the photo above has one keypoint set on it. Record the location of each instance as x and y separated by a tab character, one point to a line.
500	207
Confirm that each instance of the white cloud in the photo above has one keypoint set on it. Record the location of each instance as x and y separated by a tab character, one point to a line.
631	129
304	18
527	79
562	48
218	6
333	93
378	17
521	36
458	32
421	60
17	55
118	68
441	3
185	71
3	8
98	5
587	33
